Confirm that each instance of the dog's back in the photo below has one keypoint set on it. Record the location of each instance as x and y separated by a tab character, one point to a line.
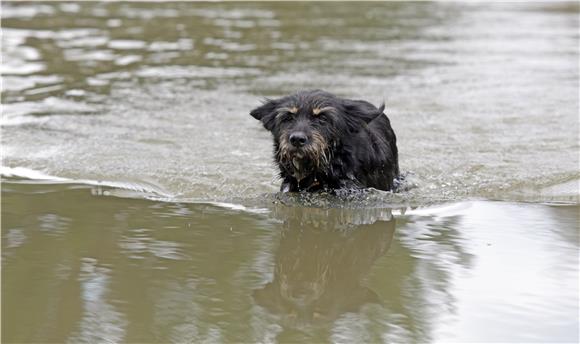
373	150
379	145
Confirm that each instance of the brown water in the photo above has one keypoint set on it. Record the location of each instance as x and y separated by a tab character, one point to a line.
81	267
139	199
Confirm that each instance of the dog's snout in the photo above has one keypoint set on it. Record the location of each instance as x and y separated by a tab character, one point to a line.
298	139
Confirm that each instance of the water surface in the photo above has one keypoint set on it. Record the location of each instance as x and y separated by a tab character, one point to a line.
483	98
139	198
81	267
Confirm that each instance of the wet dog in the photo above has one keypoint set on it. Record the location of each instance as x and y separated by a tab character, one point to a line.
323	142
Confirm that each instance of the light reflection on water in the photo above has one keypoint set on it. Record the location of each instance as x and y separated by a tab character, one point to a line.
130	270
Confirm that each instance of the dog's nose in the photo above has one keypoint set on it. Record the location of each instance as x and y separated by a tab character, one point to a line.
298	139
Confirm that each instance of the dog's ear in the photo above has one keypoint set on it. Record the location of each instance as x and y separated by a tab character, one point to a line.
362	110
266	113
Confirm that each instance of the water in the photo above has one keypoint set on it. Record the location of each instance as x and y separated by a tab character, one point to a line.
81	267
139	197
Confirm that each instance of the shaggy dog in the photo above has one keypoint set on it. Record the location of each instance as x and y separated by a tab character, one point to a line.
323	142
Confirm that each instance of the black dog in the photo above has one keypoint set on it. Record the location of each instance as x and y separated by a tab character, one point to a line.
325	142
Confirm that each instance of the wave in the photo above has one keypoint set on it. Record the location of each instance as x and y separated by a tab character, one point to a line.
23	174
415	201
124	189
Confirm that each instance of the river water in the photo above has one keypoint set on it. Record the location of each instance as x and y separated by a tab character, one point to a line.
139	198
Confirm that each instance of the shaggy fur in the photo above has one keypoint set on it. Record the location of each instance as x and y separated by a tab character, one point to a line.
325	142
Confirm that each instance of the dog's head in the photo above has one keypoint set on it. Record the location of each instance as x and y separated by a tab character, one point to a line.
309	125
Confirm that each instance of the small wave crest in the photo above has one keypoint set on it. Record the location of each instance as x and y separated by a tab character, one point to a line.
104	187
124	189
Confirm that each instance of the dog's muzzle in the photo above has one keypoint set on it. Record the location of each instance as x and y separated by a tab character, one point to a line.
302	155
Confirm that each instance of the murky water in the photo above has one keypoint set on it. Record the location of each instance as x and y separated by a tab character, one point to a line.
139	198
80	267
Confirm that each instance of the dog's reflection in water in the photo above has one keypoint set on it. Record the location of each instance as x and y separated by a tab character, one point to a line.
322	258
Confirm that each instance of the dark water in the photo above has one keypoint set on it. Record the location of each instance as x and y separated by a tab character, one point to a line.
139	198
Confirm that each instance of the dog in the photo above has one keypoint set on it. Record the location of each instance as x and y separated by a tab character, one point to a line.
324	142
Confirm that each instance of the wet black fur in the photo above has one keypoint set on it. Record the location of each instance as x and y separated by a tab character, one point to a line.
356	144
